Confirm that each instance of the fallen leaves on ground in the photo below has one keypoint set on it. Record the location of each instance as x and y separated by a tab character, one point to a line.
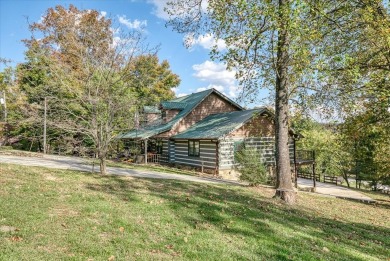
16	239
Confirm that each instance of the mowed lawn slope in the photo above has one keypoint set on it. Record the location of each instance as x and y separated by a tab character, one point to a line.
65	215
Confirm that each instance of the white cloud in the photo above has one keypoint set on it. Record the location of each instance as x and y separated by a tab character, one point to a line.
103	13
207	41
115	31
159	6
136	24
175	90
177	93
124	45
214	72
217	87
217	77
116	40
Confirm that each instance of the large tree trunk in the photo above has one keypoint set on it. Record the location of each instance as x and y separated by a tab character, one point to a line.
103	165
284	186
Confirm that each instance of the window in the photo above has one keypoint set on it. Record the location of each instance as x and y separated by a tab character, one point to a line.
193	148
159	146
164	115
239	146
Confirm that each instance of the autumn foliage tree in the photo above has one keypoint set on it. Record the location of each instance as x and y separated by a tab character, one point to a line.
152	81
90	75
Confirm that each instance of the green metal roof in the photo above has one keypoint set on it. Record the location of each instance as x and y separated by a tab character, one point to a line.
151	109
191	101
218	125
169	105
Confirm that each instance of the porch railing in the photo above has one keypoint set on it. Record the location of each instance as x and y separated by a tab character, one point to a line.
157	158
154	158
307	175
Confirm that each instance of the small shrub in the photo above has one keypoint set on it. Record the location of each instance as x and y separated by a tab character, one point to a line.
252	166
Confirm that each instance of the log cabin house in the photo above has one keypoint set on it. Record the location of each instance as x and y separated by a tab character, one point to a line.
203	130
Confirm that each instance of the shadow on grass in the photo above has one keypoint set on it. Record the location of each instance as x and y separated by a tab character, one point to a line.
266	227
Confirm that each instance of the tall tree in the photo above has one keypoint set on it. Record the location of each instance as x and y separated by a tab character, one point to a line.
12	107
152	81
262	44
271	44
90	73
33	79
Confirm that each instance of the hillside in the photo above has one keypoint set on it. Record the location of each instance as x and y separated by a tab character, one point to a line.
56	214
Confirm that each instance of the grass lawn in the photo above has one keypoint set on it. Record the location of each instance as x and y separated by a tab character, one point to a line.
66	215
151	167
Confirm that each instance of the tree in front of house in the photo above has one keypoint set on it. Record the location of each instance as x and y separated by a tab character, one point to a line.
261	37
271	44
89	75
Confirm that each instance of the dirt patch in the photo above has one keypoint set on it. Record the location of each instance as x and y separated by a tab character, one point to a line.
51	178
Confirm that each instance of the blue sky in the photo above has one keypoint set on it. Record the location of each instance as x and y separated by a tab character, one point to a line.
196	70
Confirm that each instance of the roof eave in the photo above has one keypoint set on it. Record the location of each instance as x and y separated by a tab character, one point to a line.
196	138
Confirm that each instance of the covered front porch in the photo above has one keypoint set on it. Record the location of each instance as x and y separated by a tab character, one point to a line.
144	151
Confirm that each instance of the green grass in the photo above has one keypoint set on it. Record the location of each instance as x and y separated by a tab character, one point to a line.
152	167
67	215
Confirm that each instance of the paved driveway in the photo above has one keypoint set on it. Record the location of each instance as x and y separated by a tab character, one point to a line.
334	191
74	163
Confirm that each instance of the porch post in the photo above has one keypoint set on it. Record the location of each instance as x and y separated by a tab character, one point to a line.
314	170
295	163
146	150
216	171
